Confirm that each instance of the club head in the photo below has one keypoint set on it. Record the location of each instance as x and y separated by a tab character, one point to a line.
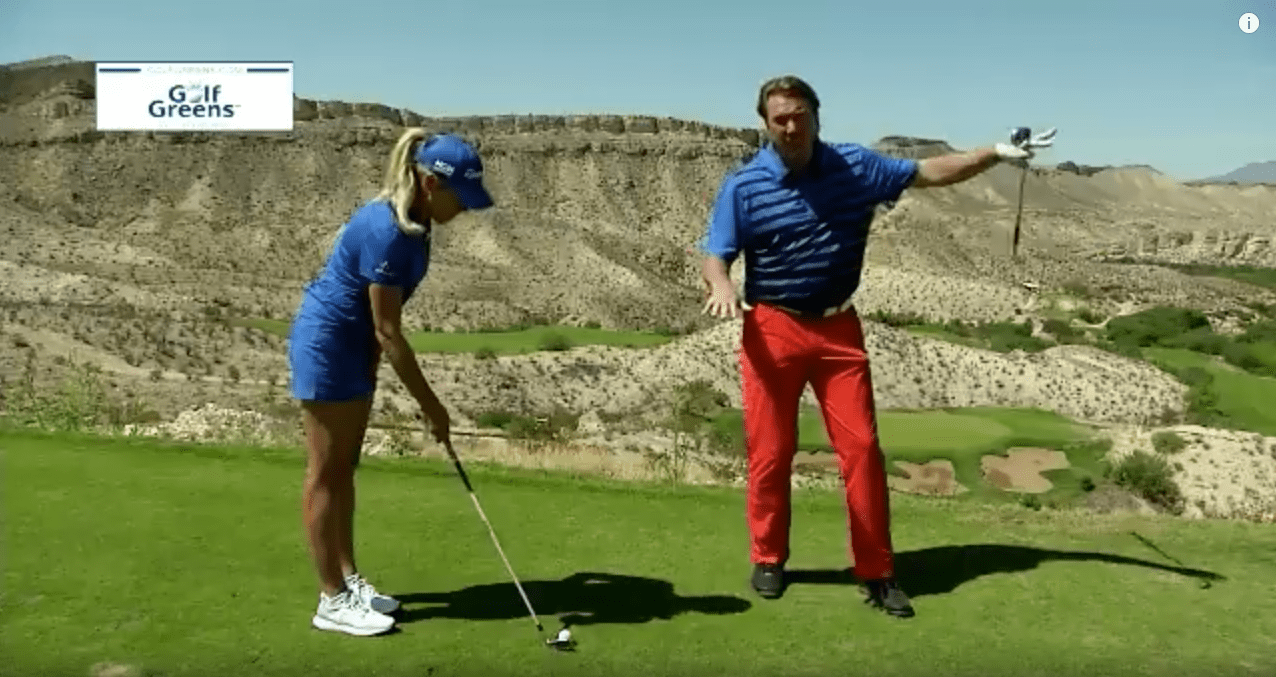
1020	135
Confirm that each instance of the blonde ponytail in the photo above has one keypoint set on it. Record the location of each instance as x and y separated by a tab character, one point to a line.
399	185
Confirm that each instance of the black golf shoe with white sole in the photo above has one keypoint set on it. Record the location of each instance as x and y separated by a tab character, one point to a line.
886	595
768	580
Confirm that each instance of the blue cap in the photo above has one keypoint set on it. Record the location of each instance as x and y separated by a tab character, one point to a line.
459	164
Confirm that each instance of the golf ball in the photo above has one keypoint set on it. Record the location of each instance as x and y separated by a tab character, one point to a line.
564	635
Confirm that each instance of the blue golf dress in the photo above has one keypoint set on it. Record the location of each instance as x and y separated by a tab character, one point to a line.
332	342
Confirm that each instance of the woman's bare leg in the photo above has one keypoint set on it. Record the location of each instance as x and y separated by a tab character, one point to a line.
332	433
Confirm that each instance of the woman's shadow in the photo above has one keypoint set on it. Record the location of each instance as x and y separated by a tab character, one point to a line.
583	598
940	570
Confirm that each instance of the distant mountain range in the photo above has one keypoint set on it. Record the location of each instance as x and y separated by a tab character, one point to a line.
1254	172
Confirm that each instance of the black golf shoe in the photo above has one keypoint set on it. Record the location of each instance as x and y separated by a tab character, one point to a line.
886	595
768	580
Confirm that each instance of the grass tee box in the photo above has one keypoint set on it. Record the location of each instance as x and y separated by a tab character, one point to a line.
145	558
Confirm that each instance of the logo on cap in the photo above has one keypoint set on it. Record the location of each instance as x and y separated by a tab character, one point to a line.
444	168
472	174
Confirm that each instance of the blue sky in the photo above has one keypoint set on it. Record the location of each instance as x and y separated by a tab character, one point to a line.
1174	83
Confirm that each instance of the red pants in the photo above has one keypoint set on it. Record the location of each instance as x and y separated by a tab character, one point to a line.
779	355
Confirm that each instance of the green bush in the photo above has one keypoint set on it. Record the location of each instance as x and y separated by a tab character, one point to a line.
1063	331
555	341
1154	326
1151	477
1168	442
1004	337
1242	356
894	319
1089	316
485	353
495	419
1201	340
1259	332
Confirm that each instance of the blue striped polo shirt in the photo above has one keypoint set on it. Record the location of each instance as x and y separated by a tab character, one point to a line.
803	236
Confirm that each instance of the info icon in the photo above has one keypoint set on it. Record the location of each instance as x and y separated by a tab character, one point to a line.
1249	22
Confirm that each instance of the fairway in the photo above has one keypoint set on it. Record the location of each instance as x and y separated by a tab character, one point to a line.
963	436
1244	398
183	560
513	342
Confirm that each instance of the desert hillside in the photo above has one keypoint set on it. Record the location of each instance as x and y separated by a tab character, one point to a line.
148	254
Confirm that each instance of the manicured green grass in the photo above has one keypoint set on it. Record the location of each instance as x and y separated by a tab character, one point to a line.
513	342
181	560
1242	400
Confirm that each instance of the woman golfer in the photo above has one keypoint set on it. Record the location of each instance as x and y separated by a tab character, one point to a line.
349	315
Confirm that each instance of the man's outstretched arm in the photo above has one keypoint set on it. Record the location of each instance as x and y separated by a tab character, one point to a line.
946	170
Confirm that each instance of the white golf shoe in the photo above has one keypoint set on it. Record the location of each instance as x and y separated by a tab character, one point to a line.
379	603
347	612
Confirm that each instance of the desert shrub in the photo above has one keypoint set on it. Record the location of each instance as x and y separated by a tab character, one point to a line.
1007	336
959	328
1089	316
495	419
1259	332
554	427
1078	289
1151	477
1243	356
555	341
1030	501
1168	442
1062	331
894	319
1127	350
485	353
1087	484
1155	326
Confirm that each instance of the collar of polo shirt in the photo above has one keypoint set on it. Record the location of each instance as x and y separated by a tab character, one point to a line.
773	162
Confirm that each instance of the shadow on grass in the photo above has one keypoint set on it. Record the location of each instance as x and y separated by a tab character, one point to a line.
583	598
940	570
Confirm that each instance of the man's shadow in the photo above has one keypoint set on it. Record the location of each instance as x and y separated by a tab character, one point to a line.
939	570
584	598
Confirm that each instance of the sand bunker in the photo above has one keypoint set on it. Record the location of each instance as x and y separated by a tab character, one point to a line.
933	478
1020	470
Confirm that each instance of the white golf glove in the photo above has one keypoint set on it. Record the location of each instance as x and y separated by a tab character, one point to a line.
1023	151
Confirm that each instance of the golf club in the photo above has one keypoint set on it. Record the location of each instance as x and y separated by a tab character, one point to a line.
1019	137
563	641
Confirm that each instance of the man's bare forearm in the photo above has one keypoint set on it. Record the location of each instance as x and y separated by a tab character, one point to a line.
956	167
714	272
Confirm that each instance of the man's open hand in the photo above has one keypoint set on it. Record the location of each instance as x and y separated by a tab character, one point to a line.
1024	149
723	302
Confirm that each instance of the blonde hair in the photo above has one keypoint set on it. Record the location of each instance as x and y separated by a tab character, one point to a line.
399	185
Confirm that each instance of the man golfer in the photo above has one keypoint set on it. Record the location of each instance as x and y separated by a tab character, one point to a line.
800	211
